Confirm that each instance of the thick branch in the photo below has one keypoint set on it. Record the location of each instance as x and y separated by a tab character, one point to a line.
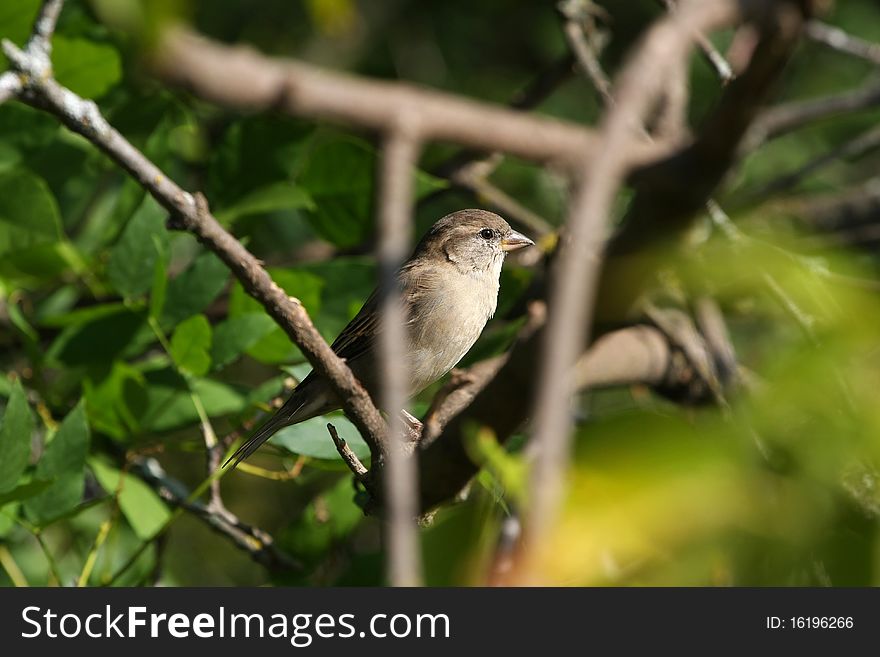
240	77
663	54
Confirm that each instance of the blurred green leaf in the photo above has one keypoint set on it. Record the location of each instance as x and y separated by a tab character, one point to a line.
28	212
277	196
133	258
236	335
161	400
64	461
16	21
338	174
16	430
194	289
144	510
275	346
310	438
191	344
114	332
255	152
160	284
8	515
327	520
86	68
24	491
105	400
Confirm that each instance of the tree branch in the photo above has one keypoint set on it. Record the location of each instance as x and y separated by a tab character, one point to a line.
240	77
662	54
839	40
398	470
253	540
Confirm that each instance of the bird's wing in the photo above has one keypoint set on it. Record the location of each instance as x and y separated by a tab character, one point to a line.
359	336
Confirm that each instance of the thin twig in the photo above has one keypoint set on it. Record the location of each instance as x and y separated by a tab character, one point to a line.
715	59
8	562
787	117
842	41
348	456
855	148
585	55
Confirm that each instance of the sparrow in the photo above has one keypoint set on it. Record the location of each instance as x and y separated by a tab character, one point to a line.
449	290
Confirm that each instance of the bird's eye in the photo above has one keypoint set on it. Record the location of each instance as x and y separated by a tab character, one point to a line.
487	234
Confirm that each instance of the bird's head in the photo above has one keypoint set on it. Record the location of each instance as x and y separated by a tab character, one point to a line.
472	240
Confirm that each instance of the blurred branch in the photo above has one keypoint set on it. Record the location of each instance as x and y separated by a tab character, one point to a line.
471	169
788	117
241	77
848	217
578	21
715	59
663	53
38	49
253	540
400	152
861	145
842	41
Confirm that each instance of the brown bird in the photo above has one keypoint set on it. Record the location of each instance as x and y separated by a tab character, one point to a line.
449	290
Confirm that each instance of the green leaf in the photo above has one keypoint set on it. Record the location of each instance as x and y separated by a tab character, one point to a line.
86	68
8	514
253	153
82	315
275	346
16	21
105	400
15	438
338	174
114	332
24	491
64	461
236	335
326	521
144	510
160	283
133	258
191	344
310	438
160	400
194	289
273	197
29	215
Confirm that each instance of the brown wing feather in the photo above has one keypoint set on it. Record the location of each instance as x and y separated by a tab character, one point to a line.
359	335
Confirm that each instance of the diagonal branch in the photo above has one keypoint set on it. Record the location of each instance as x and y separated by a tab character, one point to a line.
253	540
83	117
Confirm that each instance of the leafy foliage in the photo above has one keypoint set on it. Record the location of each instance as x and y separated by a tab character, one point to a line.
121	341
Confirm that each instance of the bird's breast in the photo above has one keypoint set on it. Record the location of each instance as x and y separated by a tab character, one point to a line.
447	322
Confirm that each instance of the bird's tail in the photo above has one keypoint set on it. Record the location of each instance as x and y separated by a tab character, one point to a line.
283	417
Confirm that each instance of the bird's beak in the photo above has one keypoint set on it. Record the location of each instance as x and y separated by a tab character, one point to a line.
515	241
